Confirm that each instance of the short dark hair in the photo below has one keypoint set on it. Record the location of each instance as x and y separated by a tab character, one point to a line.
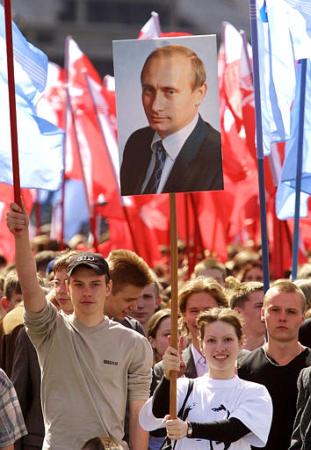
43	258
209	263
238	292
11	285
62	260
94	444
198	69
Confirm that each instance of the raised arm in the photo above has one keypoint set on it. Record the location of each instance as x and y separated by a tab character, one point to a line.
33	294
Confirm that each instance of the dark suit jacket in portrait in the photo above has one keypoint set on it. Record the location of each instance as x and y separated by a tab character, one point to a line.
301	437
198	166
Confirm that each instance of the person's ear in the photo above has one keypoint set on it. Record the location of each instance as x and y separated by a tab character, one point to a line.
200	93
67	286
108	288
158	300
262	317
5	303
151	340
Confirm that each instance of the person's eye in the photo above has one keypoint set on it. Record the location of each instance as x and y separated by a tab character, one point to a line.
228	339
147	90
170	91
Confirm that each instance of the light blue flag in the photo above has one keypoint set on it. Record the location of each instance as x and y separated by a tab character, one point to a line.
285	199
299	16
76	219
277	71
40	142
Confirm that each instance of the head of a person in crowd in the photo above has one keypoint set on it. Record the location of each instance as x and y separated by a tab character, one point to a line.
59	279
181	253
78	242
43	258
241	259
89	285
283	311
221	338
12	291
197	295
2	309
3	261
94	444
159	331
130	274
148	302
211	268
247	299
305	286
252	271
304	272
44	242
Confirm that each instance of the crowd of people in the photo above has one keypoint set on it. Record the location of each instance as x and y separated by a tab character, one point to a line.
85	352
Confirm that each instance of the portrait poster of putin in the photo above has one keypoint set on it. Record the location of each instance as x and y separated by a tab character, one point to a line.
168	115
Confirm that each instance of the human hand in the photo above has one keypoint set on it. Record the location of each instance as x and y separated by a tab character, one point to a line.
171	361
17	219
176	428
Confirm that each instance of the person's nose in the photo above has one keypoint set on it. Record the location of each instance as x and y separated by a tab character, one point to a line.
157	102
62	288
139	303
133	306
87	291
282	316
220	345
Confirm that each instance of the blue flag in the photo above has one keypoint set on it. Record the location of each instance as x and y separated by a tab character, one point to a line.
285	199
299	19
277	71
40	142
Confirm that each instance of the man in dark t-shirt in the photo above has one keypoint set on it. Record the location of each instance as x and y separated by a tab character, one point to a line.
278	363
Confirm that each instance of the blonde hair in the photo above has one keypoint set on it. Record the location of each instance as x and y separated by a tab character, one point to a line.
287	287
201	284
126	267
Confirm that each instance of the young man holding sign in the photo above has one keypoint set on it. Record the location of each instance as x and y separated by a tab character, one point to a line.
89	364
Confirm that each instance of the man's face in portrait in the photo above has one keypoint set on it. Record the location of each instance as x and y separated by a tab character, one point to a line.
169	98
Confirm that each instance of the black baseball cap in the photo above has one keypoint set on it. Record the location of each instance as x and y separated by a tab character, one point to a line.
94	261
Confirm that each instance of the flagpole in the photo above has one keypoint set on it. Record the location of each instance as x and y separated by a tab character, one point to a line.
67	111
303	82
259	146
174	300
12	100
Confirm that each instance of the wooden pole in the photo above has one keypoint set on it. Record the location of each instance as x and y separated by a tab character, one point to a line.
174	301
12	100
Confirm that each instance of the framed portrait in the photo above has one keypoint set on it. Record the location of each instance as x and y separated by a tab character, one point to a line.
168	115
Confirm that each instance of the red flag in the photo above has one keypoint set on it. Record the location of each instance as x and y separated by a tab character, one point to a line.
98	172
7	246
